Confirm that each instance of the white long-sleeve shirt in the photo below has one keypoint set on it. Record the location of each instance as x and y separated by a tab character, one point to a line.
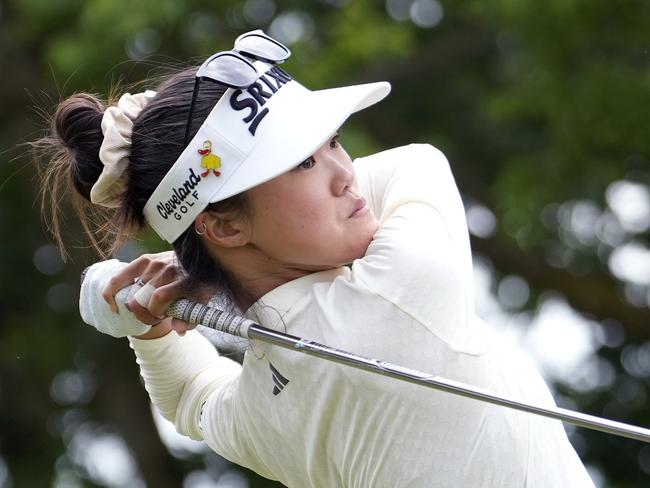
308	422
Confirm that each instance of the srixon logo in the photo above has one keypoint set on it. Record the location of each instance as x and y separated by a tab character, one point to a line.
260	91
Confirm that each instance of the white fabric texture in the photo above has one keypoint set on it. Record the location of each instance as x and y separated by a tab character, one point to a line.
177	396
310	423
96	312
115	150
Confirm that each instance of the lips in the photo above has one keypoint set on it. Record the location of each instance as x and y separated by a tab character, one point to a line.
359	204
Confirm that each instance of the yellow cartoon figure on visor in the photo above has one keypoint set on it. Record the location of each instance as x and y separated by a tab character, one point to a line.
209	161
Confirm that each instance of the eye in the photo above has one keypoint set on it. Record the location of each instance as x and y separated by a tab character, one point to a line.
308	163
335	141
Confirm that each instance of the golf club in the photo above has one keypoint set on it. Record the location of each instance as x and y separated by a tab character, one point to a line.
198	314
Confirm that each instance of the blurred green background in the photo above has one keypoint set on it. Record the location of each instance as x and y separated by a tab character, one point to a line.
541	108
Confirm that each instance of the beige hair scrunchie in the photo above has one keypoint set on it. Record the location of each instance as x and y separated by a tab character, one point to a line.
117	126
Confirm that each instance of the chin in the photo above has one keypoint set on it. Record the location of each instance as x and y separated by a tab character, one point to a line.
359	250
354	250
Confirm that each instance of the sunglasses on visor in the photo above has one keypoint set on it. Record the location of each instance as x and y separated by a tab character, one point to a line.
234	69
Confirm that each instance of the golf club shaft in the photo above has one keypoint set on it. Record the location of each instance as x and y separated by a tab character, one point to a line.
198	314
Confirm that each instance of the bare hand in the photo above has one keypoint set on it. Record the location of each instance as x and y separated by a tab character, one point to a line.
164	273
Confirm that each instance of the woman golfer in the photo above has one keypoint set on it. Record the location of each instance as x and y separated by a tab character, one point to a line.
240	169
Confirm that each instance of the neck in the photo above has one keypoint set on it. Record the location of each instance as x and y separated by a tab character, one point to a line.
256	273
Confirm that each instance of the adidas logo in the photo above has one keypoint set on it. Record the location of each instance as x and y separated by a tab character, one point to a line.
279	380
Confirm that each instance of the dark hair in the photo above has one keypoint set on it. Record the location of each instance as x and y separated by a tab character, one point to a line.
70	154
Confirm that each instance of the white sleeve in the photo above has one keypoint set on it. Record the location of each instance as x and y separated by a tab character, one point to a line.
413	173
95	311
180	374
420	258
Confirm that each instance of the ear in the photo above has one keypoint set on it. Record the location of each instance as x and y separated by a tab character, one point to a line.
222	231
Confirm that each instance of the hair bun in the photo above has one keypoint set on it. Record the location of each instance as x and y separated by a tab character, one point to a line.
77	123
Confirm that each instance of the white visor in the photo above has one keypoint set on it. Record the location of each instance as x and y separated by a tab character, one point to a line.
251	136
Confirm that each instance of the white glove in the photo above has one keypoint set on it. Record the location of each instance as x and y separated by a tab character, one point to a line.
96	312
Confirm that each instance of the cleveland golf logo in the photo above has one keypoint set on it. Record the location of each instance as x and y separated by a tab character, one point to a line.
183	197
186	195
274	79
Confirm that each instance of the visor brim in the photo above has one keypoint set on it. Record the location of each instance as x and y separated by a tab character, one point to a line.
296	133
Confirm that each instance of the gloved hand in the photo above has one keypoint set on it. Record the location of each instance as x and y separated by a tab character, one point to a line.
96	311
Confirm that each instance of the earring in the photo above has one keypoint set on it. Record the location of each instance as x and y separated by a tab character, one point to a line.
205	228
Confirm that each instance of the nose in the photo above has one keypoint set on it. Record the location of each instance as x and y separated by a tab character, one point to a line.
344	177
340	166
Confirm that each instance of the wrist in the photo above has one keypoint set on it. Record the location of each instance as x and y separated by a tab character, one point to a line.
156	331
97	312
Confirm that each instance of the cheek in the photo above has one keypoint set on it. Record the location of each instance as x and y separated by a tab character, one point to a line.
297	205
287	220
305	217
309	224
306	233
308	227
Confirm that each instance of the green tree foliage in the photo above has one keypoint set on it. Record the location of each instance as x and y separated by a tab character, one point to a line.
540	106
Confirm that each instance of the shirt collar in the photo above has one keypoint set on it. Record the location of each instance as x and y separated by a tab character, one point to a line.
277	303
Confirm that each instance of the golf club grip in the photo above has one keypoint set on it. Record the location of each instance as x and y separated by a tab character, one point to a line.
198	314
